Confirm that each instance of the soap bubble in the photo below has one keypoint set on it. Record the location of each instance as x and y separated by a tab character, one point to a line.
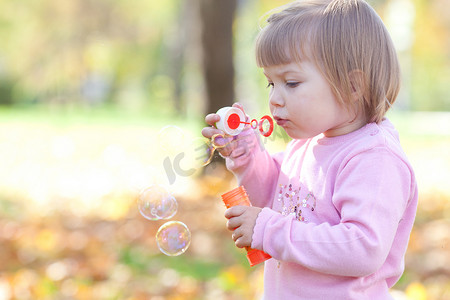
197	154
173	238
156	203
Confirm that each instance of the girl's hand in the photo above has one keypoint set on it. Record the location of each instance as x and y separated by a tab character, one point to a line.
242	220
208	132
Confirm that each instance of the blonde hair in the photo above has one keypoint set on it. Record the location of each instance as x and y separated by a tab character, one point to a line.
347	41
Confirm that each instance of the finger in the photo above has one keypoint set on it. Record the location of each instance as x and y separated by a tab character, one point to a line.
225	152
242	242
208	132
233	223
238	105
237	151
212	119
221	140
237	234
223	145
235	211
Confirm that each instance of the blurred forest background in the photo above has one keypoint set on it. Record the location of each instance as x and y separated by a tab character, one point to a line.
102	98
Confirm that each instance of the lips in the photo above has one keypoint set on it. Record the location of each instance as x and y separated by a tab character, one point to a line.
280	121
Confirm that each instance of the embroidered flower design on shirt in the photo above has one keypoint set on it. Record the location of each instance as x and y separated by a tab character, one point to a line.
293	203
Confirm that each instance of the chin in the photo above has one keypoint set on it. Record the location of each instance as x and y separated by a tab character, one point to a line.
293	135
298	135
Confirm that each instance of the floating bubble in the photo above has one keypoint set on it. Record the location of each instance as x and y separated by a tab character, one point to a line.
171	139
156	203
197	154
173	238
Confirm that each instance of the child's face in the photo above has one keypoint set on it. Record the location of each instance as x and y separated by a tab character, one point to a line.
301	101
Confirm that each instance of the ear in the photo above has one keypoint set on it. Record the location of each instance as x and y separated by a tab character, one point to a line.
357	82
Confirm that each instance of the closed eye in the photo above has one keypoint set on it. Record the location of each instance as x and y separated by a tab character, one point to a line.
270	84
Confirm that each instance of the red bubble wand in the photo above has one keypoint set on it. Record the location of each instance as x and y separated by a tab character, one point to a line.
232	122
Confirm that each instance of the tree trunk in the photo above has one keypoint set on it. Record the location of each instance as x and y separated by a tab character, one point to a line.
217	47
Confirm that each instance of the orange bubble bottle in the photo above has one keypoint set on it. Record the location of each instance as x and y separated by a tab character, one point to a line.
238	196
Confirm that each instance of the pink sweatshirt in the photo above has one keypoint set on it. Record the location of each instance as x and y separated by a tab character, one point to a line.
337	212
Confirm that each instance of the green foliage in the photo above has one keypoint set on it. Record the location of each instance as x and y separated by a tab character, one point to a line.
6	91
57	48
197	268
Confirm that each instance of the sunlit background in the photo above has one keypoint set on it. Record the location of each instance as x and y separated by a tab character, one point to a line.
100	99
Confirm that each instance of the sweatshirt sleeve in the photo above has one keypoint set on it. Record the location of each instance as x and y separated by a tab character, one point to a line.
371	193
255	168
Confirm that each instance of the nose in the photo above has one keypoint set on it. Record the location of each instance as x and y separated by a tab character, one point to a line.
275	97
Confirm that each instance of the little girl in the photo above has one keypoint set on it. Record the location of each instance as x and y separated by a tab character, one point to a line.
335	210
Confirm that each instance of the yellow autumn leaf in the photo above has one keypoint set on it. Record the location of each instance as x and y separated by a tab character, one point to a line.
416	291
